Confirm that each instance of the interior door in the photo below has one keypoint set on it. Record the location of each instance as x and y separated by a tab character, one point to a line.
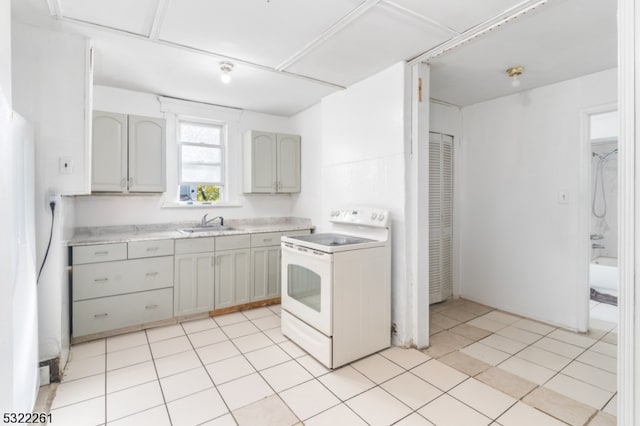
440	216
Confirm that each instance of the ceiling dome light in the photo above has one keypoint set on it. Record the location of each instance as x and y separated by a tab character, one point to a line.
226	68
514	73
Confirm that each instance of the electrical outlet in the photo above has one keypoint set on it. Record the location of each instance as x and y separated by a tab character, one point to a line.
65	166
45	376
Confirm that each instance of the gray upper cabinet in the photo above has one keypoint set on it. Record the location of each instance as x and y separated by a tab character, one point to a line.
109	152
271	162
128	153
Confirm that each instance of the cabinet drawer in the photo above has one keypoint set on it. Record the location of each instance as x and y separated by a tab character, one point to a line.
138	249
99	253
265	239
195	245
120	277
232	242
109	313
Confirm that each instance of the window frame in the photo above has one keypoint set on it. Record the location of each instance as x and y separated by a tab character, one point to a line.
222	146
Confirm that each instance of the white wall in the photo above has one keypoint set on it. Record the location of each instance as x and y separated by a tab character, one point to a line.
520	247
363	163
141	209
6	225
308	203
49	90
5	48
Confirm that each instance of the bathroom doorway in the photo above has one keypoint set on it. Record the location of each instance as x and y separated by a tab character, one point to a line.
603	235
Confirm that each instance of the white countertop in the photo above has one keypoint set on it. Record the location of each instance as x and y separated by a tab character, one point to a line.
161	231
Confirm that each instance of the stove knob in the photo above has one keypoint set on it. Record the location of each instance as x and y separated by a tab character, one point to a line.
381	217
373	216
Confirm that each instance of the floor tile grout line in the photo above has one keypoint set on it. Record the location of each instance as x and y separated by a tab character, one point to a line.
105	381
556	372
257	371
246	359
202	364
155	368
521	399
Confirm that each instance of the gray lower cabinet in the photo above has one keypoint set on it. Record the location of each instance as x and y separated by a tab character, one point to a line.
232	277
110	313
117	285
232	270
120	285
194	275
193	292
265	266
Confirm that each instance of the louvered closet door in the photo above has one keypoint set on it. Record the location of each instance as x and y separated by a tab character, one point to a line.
440	216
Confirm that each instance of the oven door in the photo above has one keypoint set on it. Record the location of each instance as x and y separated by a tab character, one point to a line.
306	286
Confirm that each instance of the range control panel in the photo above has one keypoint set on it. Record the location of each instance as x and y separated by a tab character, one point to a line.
361	216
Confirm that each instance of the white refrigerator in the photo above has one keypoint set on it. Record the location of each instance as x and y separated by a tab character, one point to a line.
19	320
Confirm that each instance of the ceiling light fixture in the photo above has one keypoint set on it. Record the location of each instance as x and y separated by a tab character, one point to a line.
514	73
226	68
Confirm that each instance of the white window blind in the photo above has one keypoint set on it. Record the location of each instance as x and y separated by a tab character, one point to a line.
201	153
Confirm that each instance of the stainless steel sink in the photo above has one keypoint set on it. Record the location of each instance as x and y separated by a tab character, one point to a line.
198	229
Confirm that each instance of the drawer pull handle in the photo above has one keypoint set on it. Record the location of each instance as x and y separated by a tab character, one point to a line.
101	253
266	240
154	306
152	274
100	280
152	248
101	315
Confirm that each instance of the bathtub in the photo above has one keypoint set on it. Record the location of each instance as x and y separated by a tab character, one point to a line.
603	275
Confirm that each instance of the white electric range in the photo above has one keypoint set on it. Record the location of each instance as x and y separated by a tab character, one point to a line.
336	287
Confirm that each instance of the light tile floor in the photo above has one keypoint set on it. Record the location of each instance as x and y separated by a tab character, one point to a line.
483	367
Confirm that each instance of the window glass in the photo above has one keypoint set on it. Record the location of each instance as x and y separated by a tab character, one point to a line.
201	161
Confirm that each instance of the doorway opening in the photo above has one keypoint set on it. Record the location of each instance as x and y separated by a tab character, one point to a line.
603	234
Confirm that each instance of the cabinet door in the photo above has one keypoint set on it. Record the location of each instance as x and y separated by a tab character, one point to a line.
109	156
232	278
288	163
146	154
193	289
265	263
260	162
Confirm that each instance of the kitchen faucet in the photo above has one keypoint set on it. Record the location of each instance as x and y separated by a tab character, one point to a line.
205	222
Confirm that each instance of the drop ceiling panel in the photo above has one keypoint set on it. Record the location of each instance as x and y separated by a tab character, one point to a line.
131	16
459	15
259	31
378	39
551	48
135	64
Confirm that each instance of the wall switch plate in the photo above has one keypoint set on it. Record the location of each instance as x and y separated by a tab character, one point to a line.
563	197
65	166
